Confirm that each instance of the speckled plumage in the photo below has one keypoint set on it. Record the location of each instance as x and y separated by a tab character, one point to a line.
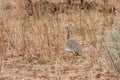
72	45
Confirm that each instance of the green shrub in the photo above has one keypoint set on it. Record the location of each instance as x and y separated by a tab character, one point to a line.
110	59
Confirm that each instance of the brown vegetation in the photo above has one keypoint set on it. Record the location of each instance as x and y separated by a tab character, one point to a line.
32	38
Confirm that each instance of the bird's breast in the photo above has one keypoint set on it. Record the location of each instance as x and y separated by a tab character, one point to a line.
67	49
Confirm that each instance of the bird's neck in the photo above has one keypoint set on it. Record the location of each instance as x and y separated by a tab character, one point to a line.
68	34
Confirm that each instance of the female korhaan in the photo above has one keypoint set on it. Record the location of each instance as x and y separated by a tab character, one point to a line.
72	45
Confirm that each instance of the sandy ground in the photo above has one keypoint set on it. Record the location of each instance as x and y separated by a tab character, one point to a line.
65	67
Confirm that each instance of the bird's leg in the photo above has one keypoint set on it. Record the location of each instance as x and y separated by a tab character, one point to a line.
73	58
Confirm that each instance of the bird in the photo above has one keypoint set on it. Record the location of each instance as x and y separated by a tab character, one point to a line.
72	45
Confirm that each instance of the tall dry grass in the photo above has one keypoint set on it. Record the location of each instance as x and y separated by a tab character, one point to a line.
111	47
26	35
44	38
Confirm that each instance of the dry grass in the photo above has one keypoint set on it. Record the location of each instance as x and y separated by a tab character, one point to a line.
32	49
111	47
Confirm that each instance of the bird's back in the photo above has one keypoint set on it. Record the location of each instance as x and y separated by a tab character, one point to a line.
73	46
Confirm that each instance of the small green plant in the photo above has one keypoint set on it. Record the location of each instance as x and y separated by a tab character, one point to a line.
111	49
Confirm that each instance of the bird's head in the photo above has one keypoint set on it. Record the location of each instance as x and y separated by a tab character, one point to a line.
67	28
